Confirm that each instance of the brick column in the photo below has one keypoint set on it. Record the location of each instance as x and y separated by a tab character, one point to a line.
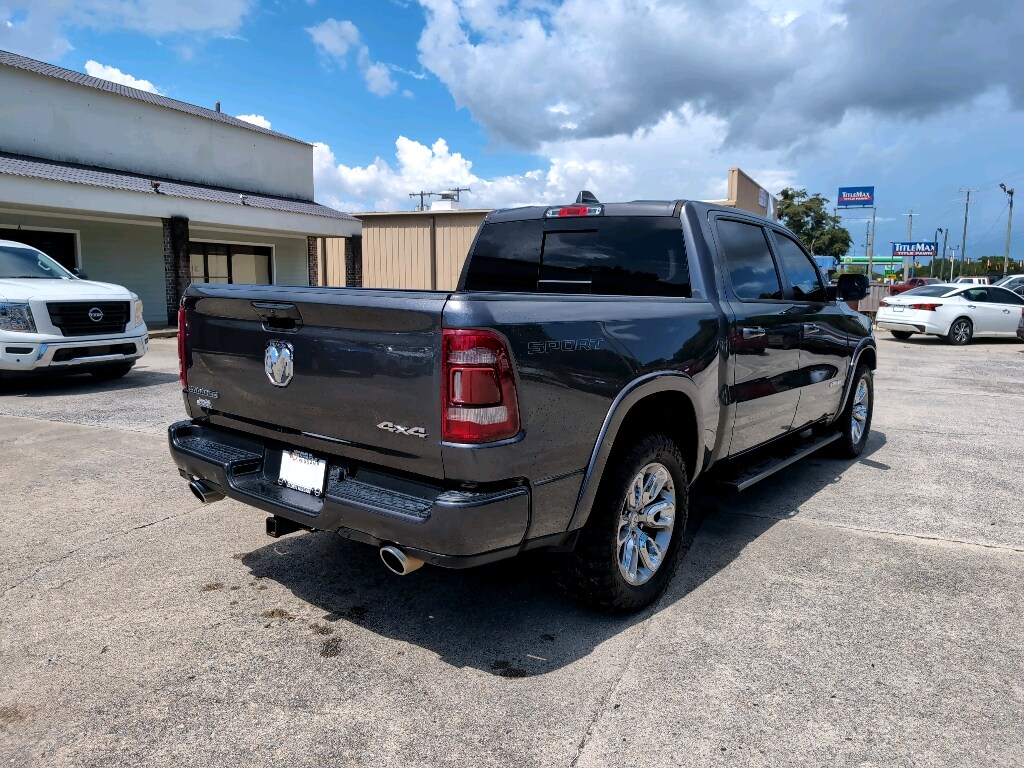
354	261
177	274
312	260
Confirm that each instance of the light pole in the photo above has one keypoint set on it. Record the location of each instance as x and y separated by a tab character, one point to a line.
952	260
1009	224
931	267
945	240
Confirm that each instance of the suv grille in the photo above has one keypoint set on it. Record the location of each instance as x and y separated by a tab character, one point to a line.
73	317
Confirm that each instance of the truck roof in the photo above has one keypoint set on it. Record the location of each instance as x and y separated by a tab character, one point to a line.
631	208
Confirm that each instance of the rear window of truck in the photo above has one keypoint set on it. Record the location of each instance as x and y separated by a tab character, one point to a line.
616	256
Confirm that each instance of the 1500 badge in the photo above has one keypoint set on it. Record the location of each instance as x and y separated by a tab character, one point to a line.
397	429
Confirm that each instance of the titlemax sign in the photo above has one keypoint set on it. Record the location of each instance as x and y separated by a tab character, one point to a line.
850	196
915	250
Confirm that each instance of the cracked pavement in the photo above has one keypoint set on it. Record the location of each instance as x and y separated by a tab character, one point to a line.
865	613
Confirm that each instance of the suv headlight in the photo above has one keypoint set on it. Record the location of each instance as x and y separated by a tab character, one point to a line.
16	317
138	311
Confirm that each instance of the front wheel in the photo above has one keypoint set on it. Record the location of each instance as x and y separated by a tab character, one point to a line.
902	335
629	547
855	421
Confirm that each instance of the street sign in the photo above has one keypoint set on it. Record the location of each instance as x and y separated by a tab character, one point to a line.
856	197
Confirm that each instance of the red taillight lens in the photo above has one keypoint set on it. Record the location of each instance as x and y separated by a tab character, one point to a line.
478	388
182	347
884	303
928	307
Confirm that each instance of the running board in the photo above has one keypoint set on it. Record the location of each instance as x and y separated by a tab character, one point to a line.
768	467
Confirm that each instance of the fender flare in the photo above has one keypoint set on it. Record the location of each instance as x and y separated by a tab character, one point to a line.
865	343
631	394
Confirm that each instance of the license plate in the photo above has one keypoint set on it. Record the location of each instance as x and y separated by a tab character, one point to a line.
302	472
897	308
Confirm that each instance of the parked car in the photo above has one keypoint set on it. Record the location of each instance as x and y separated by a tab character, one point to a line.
972	280
1012	282
593	362
957	312
1020	326
914	282
53	321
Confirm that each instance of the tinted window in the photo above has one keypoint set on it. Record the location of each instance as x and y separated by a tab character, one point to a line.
506	257
1003	296
976	294
801	273
618	256
751	268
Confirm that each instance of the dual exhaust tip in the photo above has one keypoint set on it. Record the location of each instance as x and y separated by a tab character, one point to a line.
395	560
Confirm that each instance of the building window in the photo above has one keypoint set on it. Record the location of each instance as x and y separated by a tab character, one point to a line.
227	263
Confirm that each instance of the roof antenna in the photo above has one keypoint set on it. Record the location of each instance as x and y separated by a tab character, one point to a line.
218	106
586	197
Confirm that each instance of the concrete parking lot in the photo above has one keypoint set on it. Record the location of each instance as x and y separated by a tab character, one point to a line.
867	613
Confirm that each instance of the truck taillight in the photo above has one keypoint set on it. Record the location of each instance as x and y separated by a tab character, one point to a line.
478	388
182	347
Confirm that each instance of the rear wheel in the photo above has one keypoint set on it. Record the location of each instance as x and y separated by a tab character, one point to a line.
629	547
855	420
960	332
902	335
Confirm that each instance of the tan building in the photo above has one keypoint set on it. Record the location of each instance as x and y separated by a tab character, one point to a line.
426	249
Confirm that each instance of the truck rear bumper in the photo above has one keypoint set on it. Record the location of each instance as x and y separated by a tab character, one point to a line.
450	528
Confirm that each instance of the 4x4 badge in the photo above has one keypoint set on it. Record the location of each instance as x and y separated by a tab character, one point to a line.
387	426
277	362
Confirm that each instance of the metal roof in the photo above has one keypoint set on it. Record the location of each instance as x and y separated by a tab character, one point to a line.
90	175
50	70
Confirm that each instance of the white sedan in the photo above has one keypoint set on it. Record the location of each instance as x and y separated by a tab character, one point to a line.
957	312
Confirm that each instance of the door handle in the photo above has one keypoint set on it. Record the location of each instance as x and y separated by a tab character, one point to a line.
753	333
810	328
1006	311
971	306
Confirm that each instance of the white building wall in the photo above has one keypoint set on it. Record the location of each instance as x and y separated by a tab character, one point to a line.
50	118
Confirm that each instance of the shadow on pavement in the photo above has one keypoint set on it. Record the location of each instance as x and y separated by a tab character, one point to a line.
75	384
925	340
508	618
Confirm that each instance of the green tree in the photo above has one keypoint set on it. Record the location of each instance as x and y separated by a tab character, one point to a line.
808	217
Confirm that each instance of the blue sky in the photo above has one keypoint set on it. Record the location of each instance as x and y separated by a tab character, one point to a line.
531	100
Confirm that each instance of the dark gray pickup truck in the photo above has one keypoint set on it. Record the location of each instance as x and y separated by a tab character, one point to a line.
594	361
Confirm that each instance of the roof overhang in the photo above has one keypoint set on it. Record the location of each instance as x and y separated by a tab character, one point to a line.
70	198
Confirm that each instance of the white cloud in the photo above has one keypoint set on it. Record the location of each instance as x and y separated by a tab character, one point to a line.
679	157
336	39
774	70
40	29
115	75
259	120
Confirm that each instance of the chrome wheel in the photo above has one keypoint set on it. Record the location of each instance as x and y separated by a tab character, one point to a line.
961	331
646	520
859	412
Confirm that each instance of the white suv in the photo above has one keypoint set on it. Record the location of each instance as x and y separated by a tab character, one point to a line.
54	321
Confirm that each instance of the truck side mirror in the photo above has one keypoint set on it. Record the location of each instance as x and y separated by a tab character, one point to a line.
79	273
852	287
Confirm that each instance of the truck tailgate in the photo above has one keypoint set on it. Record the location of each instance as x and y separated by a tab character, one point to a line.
365	367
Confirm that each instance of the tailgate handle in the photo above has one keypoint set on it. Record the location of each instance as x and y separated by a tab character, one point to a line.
278	315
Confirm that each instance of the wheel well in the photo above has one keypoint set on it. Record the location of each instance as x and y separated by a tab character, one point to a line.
869	358
649	415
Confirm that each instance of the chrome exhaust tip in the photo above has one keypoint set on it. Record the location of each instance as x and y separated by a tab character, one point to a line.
397	561
203	492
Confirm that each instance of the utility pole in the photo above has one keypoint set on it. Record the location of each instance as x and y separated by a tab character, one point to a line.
867	242
967	208
422	196
1009	224
945	240
952	260
910	236
931	267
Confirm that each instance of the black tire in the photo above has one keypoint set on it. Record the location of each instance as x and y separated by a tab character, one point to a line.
111	372
850	445
591	573
902	335
961	331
